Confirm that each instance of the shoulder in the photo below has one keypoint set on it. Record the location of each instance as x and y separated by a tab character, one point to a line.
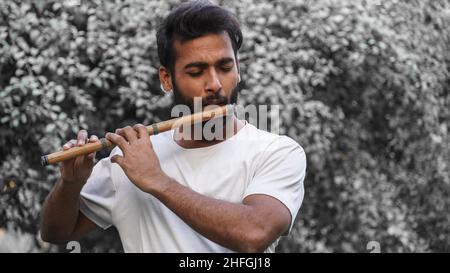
272	142
161	138
271	151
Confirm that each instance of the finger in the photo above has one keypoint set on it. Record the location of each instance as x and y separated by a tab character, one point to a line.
82	137
141	131
117	159
129	134
118	141
72	143
120	132
93	138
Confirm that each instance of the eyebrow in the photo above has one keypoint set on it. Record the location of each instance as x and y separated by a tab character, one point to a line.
203	65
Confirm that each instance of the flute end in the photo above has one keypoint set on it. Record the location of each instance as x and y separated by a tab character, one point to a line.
44	160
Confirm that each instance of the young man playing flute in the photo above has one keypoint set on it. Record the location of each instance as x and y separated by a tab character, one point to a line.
172	193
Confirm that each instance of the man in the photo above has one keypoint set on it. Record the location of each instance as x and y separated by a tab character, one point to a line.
173	193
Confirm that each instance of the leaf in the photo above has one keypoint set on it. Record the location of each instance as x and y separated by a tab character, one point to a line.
23	118
4	119
98	82
50	128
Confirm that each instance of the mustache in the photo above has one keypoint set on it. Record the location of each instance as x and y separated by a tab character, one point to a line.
215	99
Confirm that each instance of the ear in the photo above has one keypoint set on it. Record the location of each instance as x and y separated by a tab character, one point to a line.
165	79
238	70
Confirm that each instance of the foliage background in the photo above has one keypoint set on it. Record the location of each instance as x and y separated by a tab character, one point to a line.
363	87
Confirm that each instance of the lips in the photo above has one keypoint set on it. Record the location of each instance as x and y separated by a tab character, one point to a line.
215	101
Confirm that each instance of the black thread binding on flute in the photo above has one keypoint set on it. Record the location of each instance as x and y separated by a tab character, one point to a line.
155	129
104	143
44	161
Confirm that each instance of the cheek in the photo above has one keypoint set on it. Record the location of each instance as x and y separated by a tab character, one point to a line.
229	83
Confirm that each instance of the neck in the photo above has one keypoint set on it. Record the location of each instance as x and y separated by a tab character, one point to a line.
188	138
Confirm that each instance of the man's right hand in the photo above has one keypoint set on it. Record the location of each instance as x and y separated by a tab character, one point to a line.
76	171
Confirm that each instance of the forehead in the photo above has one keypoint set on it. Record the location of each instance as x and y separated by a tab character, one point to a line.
208	48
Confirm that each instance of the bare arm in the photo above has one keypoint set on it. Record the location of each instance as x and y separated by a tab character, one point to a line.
248	227
61	219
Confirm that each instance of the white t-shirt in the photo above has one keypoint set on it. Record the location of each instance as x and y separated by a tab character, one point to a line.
252	161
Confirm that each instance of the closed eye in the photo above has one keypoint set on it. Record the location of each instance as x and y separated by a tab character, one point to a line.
195	74
226	68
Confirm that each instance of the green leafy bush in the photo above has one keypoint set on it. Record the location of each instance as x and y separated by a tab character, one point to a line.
363	86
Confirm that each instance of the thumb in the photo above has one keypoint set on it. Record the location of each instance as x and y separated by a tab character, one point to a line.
117	159
84	161
91	156
88	160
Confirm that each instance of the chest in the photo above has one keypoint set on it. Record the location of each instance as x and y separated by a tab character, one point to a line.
222	175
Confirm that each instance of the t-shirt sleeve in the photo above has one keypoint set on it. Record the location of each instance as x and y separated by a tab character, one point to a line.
280	173
98	195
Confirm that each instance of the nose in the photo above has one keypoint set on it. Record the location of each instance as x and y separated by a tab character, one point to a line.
213	83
